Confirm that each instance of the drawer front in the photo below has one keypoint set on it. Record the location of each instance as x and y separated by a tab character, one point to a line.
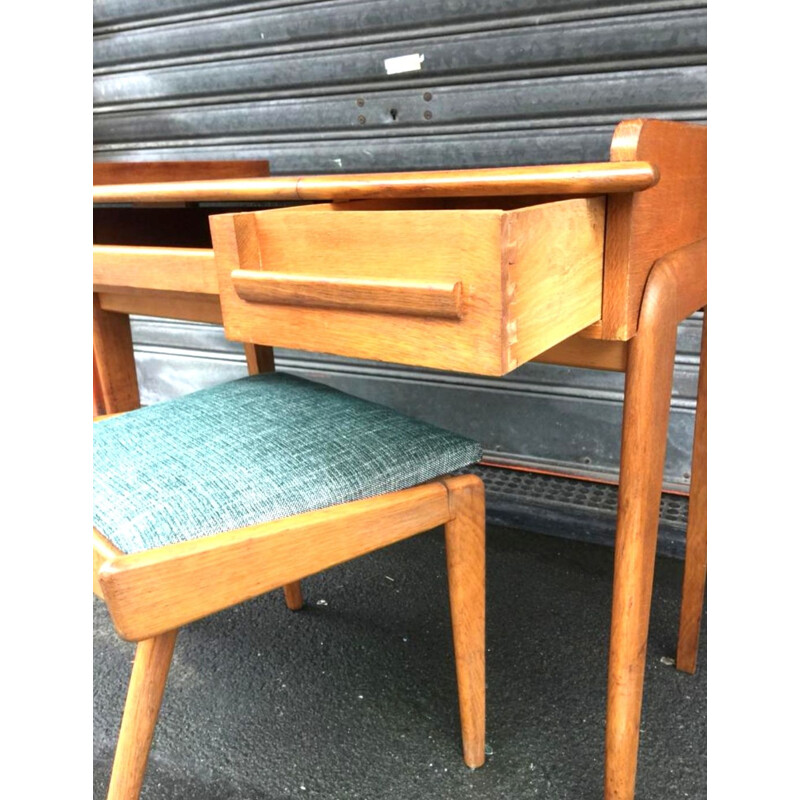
443	288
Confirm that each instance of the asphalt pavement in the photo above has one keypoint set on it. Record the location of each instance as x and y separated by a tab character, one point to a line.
354	697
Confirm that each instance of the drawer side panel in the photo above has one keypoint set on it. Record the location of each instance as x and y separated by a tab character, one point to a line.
554	264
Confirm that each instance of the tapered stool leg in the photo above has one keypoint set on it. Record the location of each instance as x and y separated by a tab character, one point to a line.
694	571
146	688
648	385
466	575
293	595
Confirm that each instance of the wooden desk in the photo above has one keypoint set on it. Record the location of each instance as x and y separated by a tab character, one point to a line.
590	265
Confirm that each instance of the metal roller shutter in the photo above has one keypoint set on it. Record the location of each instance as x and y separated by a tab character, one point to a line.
305	85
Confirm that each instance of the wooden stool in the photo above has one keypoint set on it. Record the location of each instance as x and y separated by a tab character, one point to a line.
214	498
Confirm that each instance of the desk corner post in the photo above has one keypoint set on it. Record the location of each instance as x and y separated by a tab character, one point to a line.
116	387
675	282
694	574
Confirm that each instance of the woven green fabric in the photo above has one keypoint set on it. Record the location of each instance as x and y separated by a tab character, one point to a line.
254	450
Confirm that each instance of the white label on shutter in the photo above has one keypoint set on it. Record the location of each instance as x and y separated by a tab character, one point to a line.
408	63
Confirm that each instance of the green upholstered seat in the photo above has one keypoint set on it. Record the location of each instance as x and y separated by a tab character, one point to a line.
254	450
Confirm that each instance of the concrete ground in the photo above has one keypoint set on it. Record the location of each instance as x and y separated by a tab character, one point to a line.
355	696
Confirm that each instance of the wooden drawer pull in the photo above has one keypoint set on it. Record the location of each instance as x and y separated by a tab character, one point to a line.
387	296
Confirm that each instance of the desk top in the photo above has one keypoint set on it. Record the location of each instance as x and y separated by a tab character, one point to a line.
655	183
570	179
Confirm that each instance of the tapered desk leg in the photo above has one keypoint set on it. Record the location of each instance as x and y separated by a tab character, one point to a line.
694	574
116	388
648	384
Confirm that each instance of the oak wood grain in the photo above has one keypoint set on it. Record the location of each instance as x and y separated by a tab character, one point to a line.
676	282
387	296
114	366
644	440
695	562
170	269
578	351
117	172
553	268
155	591
172	305
466	573
102	551
528	278
448	247
156	580
142	704
568	179
643	226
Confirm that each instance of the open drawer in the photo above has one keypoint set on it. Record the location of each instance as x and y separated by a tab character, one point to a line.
453	285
